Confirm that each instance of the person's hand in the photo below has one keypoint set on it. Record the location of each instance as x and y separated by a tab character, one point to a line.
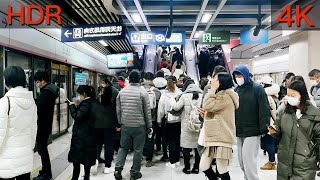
150	131
215	84
272	130
118	129
201	112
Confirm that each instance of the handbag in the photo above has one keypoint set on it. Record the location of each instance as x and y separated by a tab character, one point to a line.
174	112
193	123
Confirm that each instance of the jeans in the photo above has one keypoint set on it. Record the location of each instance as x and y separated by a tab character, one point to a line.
129	136
173	131
21	177
270	147
186	158
42	147
104	137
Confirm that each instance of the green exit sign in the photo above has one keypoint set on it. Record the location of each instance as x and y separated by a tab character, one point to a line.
215	37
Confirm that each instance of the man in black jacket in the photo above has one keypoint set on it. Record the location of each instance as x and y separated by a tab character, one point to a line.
252	120
45	104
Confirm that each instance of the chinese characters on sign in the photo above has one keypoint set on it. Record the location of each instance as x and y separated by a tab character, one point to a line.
156	38
215	37
92	32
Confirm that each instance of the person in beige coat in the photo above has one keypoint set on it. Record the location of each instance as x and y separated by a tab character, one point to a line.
218	132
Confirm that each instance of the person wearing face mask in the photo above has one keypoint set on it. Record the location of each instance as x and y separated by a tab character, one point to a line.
314	77
45	105
83	148
18	126
295	124
252	118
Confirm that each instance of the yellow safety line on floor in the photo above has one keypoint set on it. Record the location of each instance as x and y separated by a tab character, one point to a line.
35	170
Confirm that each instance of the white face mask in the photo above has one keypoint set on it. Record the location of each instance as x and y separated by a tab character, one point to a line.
293	101
313	82
240	81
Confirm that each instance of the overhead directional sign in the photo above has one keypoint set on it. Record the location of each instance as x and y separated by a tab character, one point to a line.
214	37
247	37
156	38
92	32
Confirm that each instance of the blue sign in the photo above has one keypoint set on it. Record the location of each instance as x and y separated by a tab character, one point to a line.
81	79
92	32
156	38
247	37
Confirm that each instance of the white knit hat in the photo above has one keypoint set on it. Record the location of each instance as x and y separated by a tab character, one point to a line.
266	80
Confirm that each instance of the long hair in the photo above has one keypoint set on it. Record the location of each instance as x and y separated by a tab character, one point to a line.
225	81
171	83
302	89
106	97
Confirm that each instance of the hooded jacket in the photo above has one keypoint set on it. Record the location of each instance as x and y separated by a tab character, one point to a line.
253	114
188	138
160	83
164	106
17	132
219	118
295	158
45	106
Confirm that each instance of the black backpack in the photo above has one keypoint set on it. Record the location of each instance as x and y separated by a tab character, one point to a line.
98	112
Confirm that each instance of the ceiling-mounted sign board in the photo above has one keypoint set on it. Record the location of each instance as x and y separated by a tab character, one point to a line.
93	32
156	38
214	37
247	37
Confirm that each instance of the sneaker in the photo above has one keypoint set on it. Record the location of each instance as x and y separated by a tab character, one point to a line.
117	175
135	177
94	169
186	171
108	170
269	166
195	170
149	164
177	164
171	165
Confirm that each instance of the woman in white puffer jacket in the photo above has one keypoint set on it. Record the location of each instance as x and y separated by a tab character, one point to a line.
18	126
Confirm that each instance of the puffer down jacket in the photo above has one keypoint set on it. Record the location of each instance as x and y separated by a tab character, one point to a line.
17	132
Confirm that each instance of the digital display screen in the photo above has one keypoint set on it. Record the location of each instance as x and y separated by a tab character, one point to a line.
118	61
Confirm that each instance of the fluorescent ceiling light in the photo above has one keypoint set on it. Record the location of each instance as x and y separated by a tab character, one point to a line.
279	49
196	35
136	18
103	43
206	18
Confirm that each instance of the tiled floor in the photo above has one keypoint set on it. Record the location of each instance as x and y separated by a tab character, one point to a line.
157	172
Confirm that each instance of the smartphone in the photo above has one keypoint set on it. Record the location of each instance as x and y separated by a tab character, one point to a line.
67	100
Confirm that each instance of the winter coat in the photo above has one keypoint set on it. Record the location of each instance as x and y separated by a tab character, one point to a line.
272	91
83	143
183	67
17	132
295	159
162	63
316	94
164	107
219	118
283	92
188	138
203	62
253	113
160	83
176	57
212	64
133	107
45	106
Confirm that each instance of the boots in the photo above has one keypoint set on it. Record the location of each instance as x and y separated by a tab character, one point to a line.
210	174
269	166
225	176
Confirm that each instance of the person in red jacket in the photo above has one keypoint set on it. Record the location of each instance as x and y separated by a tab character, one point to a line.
164	61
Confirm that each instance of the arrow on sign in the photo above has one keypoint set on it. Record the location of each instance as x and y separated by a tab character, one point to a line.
67	33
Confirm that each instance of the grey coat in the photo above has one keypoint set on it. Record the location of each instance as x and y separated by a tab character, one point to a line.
295	158
316	95
133	107
188	139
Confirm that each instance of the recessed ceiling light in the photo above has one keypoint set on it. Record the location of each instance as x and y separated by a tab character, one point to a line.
196	35
206	18
136	18
279	49
103	43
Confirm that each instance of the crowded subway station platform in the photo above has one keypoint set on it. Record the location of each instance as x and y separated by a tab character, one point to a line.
159	89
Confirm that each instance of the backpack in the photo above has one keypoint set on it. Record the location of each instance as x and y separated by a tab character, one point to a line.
98	112
193	122
152	98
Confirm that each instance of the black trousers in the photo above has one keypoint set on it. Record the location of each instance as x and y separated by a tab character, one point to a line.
21	177
173	131
149	145
186	158
76	172
42	147
104	137
159	137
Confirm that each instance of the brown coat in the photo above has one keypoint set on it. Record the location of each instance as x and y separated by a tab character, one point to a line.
219	119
